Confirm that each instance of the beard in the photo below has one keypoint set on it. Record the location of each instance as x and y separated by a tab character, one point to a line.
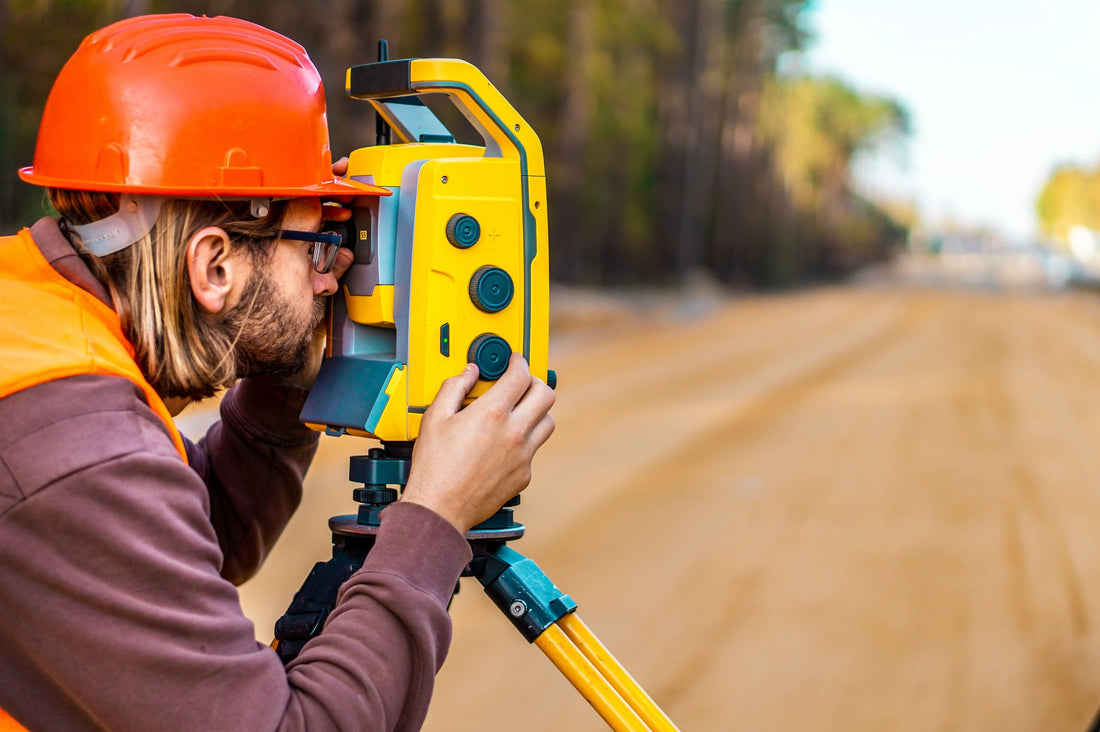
274	338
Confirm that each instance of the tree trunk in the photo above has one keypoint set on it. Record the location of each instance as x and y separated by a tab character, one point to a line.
576	249
705	48
487	24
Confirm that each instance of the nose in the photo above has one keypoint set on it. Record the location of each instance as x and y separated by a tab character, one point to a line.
327	284
324	284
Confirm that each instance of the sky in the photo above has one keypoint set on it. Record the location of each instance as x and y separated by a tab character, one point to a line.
998	93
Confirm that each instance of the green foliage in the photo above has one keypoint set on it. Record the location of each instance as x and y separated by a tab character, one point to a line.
38	36
814	128
671	145
817	125
1071	197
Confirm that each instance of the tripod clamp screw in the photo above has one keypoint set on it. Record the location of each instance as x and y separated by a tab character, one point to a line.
522	591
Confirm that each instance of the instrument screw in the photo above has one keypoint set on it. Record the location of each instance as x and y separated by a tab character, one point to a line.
443	179
518	609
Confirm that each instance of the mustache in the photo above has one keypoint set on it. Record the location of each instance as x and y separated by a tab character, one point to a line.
320	310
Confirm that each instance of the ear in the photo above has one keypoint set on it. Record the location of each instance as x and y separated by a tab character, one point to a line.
217	272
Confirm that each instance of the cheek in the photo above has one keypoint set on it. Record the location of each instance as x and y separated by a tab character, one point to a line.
295	277
299	297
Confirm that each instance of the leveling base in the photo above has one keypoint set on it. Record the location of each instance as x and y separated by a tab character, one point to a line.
542	613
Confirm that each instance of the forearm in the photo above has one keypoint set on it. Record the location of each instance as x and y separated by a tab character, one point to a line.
127	623
253	462
400	595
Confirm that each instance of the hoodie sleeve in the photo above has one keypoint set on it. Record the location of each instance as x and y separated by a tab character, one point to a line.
253	462
114	612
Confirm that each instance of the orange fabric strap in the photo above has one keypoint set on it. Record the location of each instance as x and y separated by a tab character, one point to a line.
52	329
7	724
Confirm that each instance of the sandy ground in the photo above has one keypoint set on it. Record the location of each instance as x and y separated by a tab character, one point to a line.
859	508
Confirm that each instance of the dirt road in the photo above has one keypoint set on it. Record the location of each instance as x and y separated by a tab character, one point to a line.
850	509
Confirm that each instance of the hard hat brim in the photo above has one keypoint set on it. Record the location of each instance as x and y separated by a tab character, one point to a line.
348	187
335	187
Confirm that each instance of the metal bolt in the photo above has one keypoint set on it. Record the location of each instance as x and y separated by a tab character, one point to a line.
516	128
443	179
518	608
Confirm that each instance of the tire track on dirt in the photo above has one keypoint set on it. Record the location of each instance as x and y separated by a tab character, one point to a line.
614	373
1047	549
1047	381
717	608
1034	519
638	435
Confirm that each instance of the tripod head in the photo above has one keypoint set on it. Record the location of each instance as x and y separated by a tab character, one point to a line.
381	473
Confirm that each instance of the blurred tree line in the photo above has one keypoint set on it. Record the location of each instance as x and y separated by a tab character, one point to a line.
1070	197
673	145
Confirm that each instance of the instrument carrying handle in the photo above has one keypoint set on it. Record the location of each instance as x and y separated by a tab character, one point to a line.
505	133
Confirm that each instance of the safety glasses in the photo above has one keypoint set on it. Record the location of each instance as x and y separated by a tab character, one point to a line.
325	246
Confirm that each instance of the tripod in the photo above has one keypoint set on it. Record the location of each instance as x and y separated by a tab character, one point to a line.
542	613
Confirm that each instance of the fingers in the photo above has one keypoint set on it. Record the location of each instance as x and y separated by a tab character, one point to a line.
509	388
344	258
535	402
469	462
517	395
454	390
340	167
538	396
335	213
541	432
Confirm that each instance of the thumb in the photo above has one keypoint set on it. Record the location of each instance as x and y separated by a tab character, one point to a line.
454	390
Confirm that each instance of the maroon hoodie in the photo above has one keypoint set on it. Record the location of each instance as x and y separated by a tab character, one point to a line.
118	562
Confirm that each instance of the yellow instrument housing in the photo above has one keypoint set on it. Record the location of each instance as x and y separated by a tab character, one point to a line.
453	266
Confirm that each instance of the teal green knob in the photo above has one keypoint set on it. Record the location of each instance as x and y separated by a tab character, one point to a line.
491	289
490	353
552	379
463	231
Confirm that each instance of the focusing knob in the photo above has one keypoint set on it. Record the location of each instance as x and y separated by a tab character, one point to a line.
374	495
463	231
491	289
490	353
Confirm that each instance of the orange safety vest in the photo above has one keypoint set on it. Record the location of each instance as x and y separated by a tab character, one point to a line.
51	329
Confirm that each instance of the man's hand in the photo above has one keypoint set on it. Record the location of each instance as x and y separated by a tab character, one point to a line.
469	462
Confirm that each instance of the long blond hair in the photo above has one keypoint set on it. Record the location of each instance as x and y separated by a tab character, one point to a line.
183	350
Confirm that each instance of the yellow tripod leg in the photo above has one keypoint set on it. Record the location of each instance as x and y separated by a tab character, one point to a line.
610	668
587	680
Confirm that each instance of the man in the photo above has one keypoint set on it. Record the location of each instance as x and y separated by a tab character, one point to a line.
188	159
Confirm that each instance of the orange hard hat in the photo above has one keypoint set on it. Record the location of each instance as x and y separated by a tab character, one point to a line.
178	105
